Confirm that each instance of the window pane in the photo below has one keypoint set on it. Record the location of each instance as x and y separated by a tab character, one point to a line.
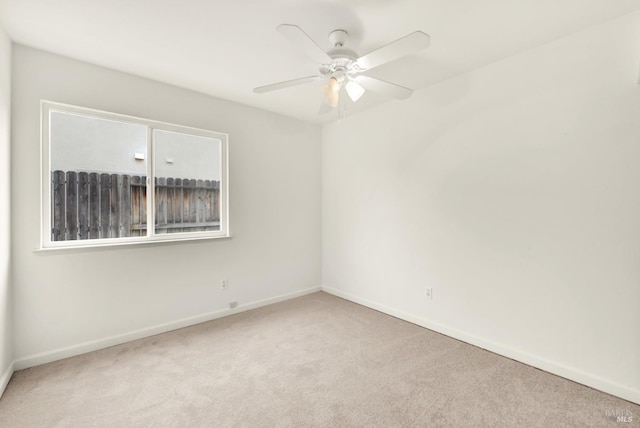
187	170
98	178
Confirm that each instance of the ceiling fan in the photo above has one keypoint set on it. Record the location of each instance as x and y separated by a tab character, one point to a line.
342	69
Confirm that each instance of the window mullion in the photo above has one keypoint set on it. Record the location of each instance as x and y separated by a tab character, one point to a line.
151	187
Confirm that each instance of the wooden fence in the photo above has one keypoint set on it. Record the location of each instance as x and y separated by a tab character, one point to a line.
91	205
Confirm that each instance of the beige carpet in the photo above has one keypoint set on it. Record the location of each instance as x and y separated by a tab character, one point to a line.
312	361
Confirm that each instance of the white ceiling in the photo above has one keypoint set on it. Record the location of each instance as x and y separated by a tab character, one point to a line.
226	48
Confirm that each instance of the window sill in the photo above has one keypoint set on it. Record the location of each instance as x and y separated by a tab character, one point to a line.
120	244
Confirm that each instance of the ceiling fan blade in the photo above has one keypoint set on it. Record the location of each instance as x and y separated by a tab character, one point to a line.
299	38
286	84
384	88
409	44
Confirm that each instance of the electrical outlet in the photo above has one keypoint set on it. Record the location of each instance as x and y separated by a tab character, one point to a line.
224	284
428	293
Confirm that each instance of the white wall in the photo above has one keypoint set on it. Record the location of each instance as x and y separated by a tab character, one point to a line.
6	329
513	192
83	143
73	298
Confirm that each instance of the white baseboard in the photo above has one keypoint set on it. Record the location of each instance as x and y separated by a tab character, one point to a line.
570	373
6	377
94	345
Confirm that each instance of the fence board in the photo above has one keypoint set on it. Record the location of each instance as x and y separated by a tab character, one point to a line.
170	197
199	201
114	218
208	201
193	202
161	201
58	205
94	206
177	201
72	206
143	200
185	200
125	205
135	204
105	205
216	201
83	205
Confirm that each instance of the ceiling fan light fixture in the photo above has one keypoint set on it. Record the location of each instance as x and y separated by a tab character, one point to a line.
334	85
332	100
331	92
354	90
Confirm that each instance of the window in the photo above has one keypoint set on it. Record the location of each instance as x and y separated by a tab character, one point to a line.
106	177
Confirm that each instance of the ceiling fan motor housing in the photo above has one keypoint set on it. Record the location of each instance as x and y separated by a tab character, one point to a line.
343	61
338	38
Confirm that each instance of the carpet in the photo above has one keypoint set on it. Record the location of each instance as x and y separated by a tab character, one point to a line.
314	361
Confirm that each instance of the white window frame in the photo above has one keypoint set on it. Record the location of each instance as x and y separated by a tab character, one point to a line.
47	107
